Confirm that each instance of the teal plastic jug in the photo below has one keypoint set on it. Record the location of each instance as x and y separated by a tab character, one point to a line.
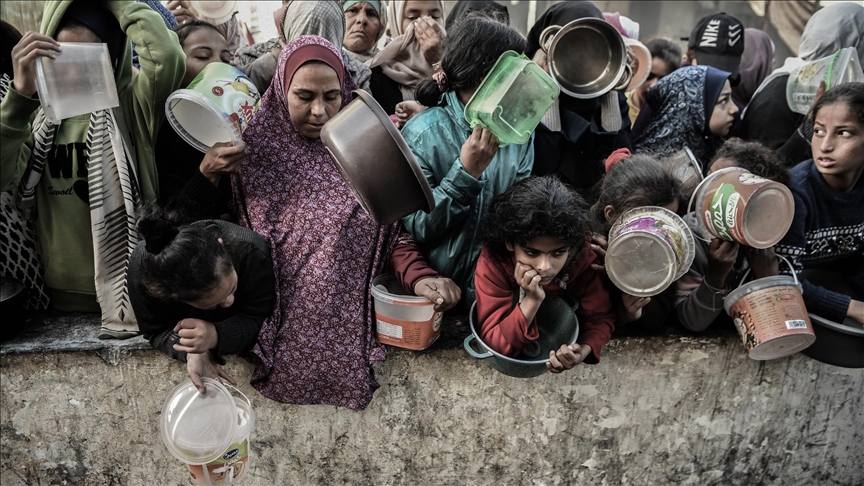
512	99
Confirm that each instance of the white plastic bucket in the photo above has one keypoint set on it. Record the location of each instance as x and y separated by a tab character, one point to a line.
234	463
403	320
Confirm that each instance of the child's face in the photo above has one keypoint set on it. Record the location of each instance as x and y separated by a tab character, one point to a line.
546	254
838	142
724	112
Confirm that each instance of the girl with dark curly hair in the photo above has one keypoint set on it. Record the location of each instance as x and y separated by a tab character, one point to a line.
537	242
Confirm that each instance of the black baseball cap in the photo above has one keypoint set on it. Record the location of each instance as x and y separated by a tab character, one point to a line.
718	41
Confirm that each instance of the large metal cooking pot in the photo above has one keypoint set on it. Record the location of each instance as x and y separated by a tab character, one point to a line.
587	57
557	323
375	161
837	343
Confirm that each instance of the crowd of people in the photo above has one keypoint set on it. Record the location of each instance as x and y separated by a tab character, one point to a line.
259	248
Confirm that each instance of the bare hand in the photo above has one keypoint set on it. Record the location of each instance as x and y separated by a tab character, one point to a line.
722	255
478	151
222	159
567	356
196	336
442	291
405	111
856	311
633	305
428	34
599	245
541	59
182	11
819	91
763	263
31	47
529	279
202	366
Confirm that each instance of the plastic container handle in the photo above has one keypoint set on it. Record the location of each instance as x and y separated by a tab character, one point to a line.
791	270
229	385
474	354
690	209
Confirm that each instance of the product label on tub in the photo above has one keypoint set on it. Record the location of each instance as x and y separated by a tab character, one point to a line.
228	469
409	334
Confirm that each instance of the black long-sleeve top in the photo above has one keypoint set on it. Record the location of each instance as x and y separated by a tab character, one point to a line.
237	325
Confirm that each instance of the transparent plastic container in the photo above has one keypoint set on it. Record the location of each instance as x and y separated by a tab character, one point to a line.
78	81
839	68
512	99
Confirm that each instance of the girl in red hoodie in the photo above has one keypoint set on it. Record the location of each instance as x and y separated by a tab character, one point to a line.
537	242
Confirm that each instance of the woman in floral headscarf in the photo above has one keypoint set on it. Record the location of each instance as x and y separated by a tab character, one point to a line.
319	345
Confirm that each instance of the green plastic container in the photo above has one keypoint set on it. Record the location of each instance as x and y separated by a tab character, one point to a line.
512	99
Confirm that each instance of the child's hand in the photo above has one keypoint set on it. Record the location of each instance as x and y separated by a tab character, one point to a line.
762	262
31	47
222	159
182	11
196	336
529	279
478	151
567	356
442	291
407	110
722	255
200	366
599	245
428	34
633	305
856	311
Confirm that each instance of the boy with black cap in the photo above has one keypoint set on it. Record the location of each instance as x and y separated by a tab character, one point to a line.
717	41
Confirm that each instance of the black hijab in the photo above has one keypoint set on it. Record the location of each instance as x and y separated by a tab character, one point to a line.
464	7
102	23
560	14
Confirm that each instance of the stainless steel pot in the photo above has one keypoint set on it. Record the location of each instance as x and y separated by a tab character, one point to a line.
587	57
557	323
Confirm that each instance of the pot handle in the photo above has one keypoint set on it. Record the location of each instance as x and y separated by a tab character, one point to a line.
694	162
791	270
546	34
232	387
474	354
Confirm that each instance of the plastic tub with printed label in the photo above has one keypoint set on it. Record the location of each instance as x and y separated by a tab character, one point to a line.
403	320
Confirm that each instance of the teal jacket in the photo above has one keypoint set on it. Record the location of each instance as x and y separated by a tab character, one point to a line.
447	236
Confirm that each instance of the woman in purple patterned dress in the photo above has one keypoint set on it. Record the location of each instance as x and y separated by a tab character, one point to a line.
320	343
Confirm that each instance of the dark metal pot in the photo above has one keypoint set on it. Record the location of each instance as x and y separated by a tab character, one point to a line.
557	323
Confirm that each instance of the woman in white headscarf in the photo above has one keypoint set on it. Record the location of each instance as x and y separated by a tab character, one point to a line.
416	28
768	118
366	21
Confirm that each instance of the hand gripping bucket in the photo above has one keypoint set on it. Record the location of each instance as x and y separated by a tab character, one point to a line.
649	248
209	432
403	320
736	205
216	106
770	316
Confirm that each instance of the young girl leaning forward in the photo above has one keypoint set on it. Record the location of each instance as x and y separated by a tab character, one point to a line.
827	233
537	242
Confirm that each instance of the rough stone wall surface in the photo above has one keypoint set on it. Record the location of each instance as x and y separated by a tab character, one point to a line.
654	411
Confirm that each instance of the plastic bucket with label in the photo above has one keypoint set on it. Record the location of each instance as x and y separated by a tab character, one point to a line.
216	106
209	432
403	320
771	317
649	248
735	205
836	69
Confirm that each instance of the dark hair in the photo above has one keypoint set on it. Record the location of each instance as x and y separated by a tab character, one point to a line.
754	157
9	37
532	208
639	180
850	94
183	263
184	30
666	49
470	51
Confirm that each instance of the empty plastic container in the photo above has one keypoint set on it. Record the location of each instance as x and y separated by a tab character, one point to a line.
79	80
836	69
512	99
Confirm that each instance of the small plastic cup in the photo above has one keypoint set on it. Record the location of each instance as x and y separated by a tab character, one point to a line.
78	81
836	69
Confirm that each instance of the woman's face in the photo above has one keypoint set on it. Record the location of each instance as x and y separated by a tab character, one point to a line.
221	296
546	254
724	112
77	34
314	96
361	27
838	144
202	47
417	9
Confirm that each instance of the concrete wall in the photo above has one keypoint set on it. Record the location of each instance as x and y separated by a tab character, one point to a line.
656	411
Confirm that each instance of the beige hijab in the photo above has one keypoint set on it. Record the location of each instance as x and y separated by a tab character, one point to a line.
402	60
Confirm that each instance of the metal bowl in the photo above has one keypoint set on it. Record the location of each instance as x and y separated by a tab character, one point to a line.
837	343
375	161
587	57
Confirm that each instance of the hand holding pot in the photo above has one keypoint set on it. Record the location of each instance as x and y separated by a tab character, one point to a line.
478	151
442	291
222	159
567	356
762	262
24	55
722	255
856	311
196	336
633	305
200	365
599	244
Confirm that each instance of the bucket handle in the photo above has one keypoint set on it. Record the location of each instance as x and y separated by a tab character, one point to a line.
474	354
229	385
694	162
791	270
697	234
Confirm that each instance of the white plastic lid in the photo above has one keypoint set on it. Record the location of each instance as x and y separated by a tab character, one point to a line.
197	428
